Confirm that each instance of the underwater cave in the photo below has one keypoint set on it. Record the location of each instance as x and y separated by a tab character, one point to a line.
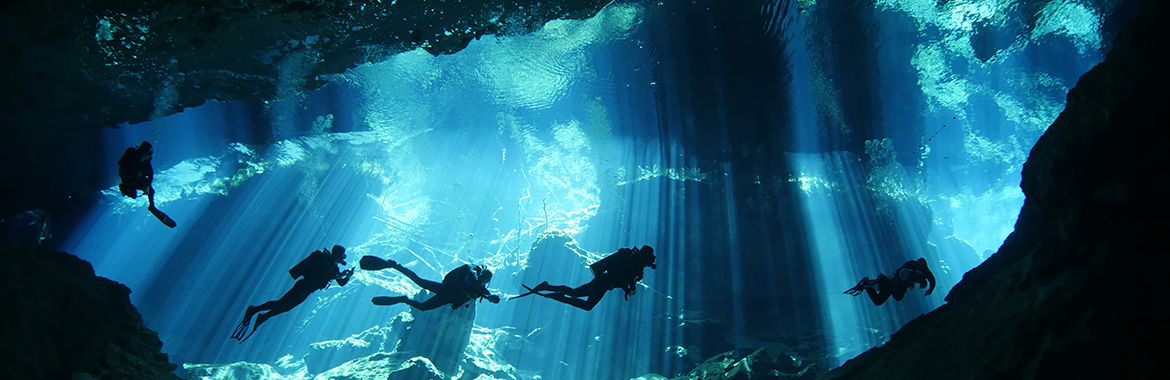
998	166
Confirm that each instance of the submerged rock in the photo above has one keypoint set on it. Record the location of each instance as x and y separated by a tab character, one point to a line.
385	366
550	250
64	322
441	334
484	359
749	365
379	366
238	370
705	335
325	355
371	355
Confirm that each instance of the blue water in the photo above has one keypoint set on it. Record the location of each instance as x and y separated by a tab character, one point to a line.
772	154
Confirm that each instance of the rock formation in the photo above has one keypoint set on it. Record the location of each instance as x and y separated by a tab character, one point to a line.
325	355
76	66
63	322
441	334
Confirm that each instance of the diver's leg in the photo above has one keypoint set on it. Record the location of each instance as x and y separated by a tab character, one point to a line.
898	292
579	291
434	287
884	286
555	288
162	217
388	301
580	303
595	295
150	196
878	297
585	290
295	296
433	303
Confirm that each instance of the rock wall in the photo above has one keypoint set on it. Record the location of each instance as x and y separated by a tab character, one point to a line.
72	67
63	322
1078	290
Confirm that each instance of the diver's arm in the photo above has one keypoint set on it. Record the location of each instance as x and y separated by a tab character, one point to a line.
629	290
919	266
343	277
930	278
479	291
492	298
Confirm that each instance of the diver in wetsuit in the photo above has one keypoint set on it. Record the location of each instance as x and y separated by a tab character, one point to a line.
318	270
459	287
911	273
136	174
623	269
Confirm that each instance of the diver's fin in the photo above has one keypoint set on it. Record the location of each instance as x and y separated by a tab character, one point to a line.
249	334
162	217
375	263
240	330
530	292
387	301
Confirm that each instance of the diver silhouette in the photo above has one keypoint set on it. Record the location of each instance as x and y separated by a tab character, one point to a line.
459	287
622	269
136	174
911	273
318	270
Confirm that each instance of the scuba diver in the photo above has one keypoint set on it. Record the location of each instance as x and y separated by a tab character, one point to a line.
136	174
623	269
911	273
459	287
318	270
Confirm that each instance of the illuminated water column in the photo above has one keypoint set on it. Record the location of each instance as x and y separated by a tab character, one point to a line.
842	243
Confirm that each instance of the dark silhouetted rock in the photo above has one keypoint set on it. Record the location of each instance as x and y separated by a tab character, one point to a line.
61	321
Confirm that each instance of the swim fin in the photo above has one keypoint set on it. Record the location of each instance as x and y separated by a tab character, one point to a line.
387	301
162	217
530	292
249	334
376	263
238	334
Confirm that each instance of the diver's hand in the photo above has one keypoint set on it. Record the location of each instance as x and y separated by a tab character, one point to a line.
492	298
